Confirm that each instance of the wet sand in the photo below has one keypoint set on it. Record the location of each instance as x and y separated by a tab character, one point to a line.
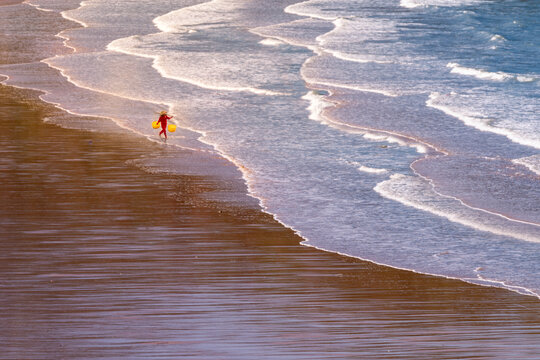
100	260
9	2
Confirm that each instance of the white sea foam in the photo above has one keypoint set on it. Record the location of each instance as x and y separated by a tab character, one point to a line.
418	193
201	16
371	170
311	8
351	87
367	169
420	148
531	162
271	42
487	75
356	58
68	14
497	37
53	5
425	3
37	6
317	104
481	280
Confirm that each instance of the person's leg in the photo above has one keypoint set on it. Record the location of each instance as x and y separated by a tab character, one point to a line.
163	131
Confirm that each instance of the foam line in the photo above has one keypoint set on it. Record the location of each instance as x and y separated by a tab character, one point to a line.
271	42
37	7
479	123
475	281
400	187
318	105
352	87
411	4
468	205
297	9
486	75
530	162
339	23
260	31
371	170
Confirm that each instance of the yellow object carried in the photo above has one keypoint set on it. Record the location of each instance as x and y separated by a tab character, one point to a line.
155	124
171	128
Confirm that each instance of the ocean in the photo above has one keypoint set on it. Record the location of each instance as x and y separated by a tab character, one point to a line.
406	133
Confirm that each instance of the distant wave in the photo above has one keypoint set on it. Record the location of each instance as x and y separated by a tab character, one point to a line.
487	75
424	3
271	42
497	37
350	87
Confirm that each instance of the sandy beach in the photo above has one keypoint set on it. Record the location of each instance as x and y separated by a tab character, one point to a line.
103	258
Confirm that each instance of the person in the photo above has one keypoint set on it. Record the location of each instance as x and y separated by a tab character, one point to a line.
163	121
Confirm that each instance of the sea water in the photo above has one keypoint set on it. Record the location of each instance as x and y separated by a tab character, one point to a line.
405	132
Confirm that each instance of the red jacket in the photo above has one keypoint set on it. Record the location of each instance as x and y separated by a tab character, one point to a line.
163	120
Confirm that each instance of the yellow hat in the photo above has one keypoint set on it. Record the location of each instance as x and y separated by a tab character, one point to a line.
163	112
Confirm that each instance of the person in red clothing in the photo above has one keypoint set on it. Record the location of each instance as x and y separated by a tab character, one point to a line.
163	120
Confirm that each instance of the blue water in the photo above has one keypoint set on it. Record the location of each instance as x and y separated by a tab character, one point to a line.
402	132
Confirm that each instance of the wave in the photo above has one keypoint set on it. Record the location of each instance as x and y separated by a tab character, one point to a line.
418	193
366	169
355	58
366	30
410	4
497	37
350	87
302	32
371	170
444	103
531	162
317	105
310	9
55	6
181	20
271	42
487	75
